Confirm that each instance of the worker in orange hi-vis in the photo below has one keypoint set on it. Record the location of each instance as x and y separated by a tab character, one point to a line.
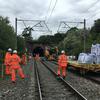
24	59
37	57
62	64
15	60
7	62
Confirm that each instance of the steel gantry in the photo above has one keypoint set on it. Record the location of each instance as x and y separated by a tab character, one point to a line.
67	26
40	26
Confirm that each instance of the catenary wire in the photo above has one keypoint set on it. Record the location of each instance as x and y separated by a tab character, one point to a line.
52	10
48	10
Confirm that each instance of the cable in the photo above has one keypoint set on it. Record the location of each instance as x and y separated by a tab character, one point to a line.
52	10
92	5
48	9
24	24
92	15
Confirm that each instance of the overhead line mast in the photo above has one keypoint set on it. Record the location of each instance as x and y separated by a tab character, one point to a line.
38	23
67	26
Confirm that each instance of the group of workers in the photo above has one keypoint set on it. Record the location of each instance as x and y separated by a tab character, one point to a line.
62	63
12	62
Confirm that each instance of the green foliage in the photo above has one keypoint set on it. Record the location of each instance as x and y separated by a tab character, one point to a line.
96	27
7	35
95	32
52	40
27	34
20	44
2	55
73	44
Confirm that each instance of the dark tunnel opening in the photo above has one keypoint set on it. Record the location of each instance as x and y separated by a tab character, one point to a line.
38	50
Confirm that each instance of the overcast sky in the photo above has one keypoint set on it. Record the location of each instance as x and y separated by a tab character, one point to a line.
65	10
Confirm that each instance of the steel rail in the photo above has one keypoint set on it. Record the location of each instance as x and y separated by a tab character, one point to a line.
86	77
66	83
92	79
38	80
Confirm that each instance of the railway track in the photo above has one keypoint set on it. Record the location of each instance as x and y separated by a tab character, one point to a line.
22	89
87	87
93	79
88	77
52	88
38	86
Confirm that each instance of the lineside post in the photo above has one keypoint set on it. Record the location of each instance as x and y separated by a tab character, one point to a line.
2	71
16	33
84	35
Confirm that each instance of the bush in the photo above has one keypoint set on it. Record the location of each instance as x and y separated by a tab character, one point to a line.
2	55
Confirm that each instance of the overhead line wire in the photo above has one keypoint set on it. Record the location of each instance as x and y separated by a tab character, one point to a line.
92	16
93	5
52	10
48	9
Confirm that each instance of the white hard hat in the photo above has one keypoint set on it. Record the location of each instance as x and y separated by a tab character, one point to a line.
62	51
14	51
10	50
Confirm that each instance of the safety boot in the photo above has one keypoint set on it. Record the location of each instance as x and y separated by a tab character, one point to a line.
63	77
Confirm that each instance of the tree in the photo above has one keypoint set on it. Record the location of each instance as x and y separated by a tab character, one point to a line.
95	32
27	34
7	35
96	26
73	42
52	40
20	44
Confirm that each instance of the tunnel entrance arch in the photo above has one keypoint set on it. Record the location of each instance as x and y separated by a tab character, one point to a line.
38	50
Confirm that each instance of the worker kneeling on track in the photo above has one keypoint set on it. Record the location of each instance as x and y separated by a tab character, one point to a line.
62	64
15	60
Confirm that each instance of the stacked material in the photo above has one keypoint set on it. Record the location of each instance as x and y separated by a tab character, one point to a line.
86	58
95	49
98	59
81	57
91	58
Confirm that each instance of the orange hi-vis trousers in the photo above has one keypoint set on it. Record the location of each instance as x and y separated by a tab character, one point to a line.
13	74
8	70
63	68
7	63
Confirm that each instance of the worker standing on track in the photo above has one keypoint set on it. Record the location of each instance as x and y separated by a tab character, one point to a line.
46	53
62	64
37	57
15	60
24	59
7	62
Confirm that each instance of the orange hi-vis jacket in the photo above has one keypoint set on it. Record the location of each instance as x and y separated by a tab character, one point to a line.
7	58
24	59
62	60
15	60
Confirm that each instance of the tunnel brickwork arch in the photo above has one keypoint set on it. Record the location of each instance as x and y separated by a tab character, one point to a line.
36	48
